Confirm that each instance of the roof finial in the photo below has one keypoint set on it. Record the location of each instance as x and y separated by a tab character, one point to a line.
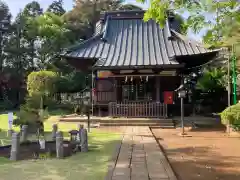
169	34
104	38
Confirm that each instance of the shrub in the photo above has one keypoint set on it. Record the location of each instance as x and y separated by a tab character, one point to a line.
65	108
29	116
41	83
41	86
231	116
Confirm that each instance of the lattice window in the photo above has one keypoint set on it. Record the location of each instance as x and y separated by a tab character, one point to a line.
137	91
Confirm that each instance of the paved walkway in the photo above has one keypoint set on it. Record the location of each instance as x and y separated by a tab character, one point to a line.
140	158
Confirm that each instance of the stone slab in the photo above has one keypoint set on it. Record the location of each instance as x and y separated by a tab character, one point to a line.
141	158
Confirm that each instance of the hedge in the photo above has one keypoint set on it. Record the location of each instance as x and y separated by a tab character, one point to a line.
231	116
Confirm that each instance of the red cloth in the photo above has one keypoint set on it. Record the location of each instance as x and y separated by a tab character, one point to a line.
168	97
94	91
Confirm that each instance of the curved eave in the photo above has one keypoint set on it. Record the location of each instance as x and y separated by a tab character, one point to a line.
167	66
81	64
195	60
70	51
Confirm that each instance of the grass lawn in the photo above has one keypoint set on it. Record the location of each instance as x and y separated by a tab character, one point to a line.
86	166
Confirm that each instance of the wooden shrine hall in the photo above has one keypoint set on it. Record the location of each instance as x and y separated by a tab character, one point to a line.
136	64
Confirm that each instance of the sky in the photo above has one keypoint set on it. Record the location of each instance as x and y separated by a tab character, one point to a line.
16	5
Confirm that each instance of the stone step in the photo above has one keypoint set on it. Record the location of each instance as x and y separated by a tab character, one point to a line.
125	120
159	125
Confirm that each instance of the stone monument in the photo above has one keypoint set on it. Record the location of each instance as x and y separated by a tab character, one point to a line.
14	155
59	145
80	128
84	140
24	131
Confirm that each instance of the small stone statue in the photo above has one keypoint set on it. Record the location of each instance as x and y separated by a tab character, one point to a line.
84	140
54	131
42	142
40	129
59	145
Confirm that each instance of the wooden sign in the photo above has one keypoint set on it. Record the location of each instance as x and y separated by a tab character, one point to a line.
104	74
168	73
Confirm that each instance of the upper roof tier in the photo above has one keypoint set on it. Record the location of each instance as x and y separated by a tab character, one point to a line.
124	40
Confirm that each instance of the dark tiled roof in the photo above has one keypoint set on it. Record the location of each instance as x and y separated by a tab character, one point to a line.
133	42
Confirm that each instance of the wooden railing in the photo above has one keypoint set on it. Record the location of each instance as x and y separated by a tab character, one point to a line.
138	109
105	97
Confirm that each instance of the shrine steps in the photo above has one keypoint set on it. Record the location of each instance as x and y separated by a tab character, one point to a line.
160	123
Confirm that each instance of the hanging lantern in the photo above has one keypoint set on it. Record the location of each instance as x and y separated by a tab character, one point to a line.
126	78
146	78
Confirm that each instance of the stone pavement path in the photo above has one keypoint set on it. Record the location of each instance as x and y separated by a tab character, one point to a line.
140	158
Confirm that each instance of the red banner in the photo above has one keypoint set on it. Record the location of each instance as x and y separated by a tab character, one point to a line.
94	93
168	97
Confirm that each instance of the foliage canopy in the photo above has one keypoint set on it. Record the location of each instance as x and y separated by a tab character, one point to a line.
41	82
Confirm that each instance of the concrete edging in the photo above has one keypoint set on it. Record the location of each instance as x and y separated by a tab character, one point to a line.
165	161
113	160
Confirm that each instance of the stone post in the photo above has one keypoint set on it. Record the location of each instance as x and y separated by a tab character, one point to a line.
54	131
14	156
24	132
10	132
80	128
59	144
84	140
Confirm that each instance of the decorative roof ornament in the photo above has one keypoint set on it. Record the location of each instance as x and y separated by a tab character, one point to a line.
169	34
105	30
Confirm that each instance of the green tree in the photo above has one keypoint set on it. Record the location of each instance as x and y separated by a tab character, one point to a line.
86	13
30	13
53	37
198	11
5	18
21	43
57	8
32	9
71	82
41	83
212	80
129	7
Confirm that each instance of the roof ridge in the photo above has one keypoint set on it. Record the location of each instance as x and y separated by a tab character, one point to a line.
122	11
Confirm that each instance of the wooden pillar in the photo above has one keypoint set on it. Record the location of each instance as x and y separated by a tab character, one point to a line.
115	86
158	88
